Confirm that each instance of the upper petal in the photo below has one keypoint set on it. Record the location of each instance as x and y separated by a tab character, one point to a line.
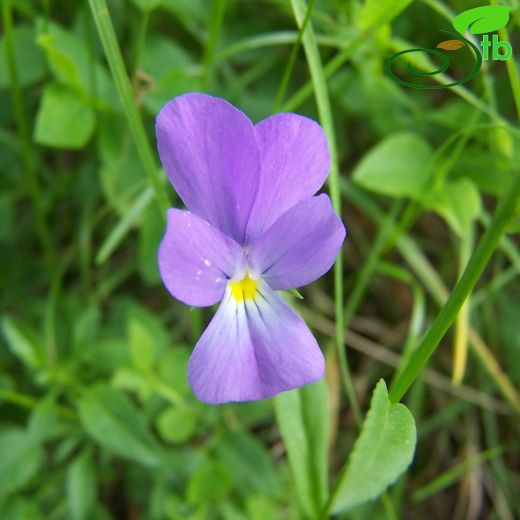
252	350
196	260
300	246
295	163
209	151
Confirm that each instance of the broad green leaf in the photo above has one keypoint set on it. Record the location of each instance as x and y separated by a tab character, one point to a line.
106	355
142	345
377	13
63	119
28	58
113	421
382	452
21	509
458	201
303	419
161	54
210	483
398	166
173	368
121	173
23	342
20	459
177	425
259	508
249	463
73	65
81	486
45	423
131	380
147	5
176	81
86	327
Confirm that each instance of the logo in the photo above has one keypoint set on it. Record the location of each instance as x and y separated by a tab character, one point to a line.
476	21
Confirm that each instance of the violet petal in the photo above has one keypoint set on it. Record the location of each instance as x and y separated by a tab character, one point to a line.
196	259
300	246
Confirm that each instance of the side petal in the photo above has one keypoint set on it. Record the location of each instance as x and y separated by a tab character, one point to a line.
196	260
295	163
253	349
300	246
210	154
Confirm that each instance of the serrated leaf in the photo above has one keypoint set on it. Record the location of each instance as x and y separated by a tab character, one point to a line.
113	421
398	166
302	417
382	452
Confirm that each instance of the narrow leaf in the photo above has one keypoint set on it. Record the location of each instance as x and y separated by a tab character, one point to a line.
302	417
112	420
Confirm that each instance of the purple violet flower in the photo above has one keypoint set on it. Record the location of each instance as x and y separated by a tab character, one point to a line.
253	227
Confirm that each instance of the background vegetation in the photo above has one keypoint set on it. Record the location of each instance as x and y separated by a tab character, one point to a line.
96	418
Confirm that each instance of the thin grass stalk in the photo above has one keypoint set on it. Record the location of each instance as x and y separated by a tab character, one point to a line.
325	113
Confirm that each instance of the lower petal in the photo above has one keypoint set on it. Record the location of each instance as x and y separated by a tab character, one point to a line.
253	349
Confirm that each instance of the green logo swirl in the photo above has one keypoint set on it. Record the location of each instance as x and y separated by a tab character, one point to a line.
445	63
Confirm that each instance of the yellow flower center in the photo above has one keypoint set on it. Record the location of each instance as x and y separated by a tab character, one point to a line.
244	289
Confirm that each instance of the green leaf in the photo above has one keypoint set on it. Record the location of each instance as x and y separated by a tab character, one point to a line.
121	174
151	231
129	379
63	120
23	342
209	484
382	452
113	421
73	65
81	486
303	419
458	201
45	423
249	463
398	166
376	13
20	459
142	345
177	425
483	19
28	58
147	5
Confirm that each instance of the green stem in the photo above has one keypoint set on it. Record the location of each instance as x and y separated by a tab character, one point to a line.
107	35
23	131
292	59
324	109
217	17
476	265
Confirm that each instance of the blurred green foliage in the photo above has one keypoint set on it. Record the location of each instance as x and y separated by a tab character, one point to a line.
96	417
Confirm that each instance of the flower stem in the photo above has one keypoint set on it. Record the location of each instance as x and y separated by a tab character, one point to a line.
22	125
107	35
469	278
322	100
